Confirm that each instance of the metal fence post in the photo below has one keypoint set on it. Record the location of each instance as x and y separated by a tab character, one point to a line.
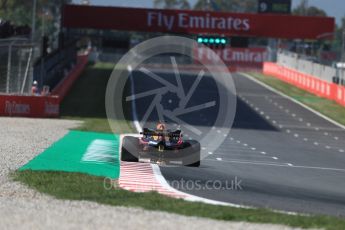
27	70
10	44
19	74
9	67
343	47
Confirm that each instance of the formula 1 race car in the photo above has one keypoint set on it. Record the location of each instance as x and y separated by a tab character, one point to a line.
161	146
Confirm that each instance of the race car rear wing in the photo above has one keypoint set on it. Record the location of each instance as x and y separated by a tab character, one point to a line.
149	132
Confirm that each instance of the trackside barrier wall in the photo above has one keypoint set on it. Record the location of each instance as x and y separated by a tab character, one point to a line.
302	64
306	82
29	106
42	106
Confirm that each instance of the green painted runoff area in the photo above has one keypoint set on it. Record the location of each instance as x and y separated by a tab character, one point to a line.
84	152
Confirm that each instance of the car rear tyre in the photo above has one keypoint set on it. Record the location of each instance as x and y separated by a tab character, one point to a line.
192	148
130	146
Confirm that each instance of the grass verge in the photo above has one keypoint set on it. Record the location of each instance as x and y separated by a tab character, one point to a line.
86	103
74	186
86	100
326	107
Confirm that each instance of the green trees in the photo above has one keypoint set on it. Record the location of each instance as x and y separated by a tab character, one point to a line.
19	12
250	6
227	5
15	11
339	36
172	4
304	9
48	15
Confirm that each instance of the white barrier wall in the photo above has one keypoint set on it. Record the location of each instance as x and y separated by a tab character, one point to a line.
292	60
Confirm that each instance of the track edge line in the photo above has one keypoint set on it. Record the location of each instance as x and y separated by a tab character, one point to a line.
248	76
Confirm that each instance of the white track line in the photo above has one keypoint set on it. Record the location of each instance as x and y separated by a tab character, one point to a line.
293	100
134	109
156	170
162	181
299	103
280	165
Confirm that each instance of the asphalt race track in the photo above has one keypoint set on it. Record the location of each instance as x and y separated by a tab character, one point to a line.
282	155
